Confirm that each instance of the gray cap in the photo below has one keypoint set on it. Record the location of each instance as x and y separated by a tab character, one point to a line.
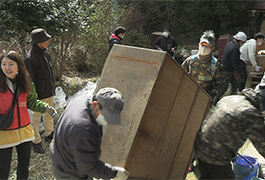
112	102
260	89
208	37
39	35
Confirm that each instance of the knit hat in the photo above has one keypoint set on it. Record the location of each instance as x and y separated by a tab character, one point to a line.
112	102
208	37
241	36
39	35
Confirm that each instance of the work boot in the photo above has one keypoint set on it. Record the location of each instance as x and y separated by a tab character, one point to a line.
50	137
37	148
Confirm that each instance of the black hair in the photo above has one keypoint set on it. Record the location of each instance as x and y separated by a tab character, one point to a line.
167	28
119	30
23	78
94	98
259	36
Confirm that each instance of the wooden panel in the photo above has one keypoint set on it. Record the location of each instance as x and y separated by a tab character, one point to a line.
261	62
163	109
175	128
143	154
135	78
196	116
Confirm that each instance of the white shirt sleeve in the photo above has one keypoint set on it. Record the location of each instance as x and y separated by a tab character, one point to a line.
252	54
248	52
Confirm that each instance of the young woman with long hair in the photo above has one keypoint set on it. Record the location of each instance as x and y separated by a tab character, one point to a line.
13	75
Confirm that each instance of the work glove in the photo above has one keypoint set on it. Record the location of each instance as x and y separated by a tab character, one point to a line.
258	68
50	110
122	174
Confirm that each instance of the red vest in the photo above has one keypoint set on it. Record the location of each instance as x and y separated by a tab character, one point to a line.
6	104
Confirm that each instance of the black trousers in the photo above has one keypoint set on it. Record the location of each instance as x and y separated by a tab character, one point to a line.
23	156
244	75
211	171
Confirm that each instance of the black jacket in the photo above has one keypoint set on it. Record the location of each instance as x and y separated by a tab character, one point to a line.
114	40
38	64
75	149
231	59
166	44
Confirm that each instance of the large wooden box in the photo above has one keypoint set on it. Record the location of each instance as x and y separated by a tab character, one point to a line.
164	108
261	62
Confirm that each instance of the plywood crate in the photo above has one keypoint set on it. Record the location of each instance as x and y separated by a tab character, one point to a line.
261	62
164	108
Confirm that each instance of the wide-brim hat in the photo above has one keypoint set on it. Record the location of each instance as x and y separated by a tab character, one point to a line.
39	35
112	103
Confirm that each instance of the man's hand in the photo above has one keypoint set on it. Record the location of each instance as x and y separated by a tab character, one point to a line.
258	68
122	174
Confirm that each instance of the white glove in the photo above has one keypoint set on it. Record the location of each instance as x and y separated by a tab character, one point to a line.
258	68
50	110
122	174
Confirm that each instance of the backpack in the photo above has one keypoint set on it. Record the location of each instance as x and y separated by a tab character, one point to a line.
213	64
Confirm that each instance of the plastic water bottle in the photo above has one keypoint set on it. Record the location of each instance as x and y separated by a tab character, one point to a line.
59	98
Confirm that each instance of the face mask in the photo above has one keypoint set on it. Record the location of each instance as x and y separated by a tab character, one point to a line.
100	119
204	50
259	43
165	34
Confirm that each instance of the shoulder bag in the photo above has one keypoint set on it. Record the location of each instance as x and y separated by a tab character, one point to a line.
7	120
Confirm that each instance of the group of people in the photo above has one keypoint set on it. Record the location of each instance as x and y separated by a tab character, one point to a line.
235	118
29	82
76	140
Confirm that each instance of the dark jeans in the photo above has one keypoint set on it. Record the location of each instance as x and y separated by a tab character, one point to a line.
23	156
229	77
244	75
211	171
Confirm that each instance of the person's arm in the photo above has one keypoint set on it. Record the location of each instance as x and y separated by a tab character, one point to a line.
252	54
256	132
185	65
235	58
175	44
33	103
84	145
218	80
157	43
31	68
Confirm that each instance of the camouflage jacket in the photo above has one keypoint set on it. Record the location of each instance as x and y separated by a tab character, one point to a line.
210	79
235	119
